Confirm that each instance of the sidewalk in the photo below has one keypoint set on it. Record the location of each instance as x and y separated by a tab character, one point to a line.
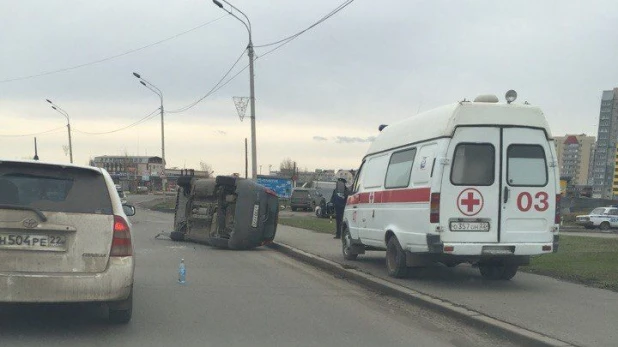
571	312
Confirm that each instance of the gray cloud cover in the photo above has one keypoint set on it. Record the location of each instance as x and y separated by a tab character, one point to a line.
367	65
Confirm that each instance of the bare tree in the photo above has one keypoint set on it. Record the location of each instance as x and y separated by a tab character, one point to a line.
287	164
204	166
287	167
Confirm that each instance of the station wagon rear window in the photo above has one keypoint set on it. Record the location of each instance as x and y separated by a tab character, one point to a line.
399	169
526	166
54	188
473	164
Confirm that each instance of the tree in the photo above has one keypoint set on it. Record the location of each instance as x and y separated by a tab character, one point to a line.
287	164
206	168
287	167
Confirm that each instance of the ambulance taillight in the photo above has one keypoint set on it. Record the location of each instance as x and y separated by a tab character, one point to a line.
557	217
434	208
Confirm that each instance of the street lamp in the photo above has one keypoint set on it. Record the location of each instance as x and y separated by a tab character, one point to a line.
157	91
66	115
250	53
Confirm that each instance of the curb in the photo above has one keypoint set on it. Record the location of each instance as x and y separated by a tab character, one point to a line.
471	317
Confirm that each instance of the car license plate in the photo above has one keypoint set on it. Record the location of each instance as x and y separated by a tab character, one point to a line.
469	226
32	242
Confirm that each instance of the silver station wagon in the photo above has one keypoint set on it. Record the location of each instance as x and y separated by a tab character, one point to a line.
64	237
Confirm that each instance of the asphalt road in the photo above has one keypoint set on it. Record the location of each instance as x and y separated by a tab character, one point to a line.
246	298
567	311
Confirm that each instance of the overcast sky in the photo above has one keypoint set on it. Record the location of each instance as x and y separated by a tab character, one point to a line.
319	99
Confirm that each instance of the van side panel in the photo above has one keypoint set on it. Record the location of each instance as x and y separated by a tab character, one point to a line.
405	210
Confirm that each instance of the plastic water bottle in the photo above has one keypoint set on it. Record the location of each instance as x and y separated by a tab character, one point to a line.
182	272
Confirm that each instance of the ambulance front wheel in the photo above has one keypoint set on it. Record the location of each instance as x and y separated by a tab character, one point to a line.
346	245
498	271
395	258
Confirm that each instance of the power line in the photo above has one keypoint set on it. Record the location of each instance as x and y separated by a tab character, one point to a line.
321	20
279	44
143	119
214	88
51	72
34	134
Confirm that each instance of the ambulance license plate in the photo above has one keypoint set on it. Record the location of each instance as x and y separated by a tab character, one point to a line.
469	226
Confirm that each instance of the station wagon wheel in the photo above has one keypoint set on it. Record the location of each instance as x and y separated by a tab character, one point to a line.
121	312
604	226
346	245
395	259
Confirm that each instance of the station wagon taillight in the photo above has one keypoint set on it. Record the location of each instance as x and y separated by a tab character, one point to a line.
121	242
557	217
434	208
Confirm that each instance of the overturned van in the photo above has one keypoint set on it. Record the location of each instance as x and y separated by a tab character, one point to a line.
225	212
473	182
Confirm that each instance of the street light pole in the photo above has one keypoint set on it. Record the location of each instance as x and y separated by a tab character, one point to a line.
66	115
251	55
157	91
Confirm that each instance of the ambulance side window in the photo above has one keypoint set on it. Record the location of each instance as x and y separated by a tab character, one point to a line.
399	169
357	179
373	175
473	164
526	166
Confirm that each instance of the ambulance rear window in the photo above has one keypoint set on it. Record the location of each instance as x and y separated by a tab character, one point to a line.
473	164
526	166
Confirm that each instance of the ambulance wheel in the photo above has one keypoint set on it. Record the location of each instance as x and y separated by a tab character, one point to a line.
346	245
604	226
498	271
395	259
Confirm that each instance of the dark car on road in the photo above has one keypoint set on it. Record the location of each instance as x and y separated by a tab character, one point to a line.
303	199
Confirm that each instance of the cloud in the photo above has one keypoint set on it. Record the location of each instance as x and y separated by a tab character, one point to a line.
220	132
347	139
320	138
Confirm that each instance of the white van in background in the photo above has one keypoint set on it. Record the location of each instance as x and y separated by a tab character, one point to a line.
473	182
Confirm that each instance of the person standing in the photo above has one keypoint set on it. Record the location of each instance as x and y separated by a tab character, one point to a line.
338	199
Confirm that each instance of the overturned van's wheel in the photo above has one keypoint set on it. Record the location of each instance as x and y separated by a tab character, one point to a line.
498	271
177	236
395	259
346	245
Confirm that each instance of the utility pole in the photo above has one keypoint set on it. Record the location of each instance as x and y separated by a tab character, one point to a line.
159	93
164	178
70	141
66	115
252	102
246	160
36	154
251	55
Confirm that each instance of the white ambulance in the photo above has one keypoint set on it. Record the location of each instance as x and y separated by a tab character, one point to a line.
474	182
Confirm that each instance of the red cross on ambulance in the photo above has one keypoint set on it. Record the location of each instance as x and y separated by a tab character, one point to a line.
470	202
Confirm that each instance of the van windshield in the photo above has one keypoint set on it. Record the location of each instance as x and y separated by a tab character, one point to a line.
473	164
